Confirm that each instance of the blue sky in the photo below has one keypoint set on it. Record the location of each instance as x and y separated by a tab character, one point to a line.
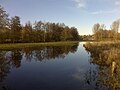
82	14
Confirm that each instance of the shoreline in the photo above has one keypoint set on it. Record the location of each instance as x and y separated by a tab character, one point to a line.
28	45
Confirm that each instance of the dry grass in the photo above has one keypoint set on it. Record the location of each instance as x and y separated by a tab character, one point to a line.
106	54
105	50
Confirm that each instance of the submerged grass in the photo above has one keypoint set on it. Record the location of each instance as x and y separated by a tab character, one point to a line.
107	56
22	45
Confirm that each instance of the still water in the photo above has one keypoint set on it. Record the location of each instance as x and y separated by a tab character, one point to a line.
48	68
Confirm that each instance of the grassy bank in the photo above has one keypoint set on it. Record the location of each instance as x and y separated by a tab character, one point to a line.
106	51
22	45
107	56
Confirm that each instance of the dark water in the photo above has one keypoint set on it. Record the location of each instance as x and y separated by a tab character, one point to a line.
48	68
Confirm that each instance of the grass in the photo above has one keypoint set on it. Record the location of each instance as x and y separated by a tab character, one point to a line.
106	54
24	45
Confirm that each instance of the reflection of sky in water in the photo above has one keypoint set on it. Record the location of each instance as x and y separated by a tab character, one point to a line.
82	63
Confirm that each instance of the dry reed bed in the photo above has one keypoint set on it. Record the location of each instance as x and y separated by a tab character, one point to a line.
106	54
104	51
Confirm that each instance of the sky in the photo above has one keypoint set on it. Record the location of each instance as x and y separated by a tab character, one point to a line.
82	14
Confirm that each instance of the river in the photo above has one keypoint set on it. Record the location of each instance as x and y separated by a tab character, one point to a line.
48	68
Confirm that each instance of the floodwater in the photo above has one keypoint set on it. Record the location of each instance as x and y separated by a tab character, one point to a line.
48	68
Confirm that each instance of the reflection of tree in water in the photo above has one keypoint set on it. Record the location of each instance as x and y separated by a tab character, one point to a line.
49	52
12	58
4	66
8	59
106	75
16	57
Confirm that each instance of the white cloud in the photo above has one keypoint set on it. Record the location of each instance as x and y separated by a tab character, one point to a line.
117	2
105	12
116	10
80	3
84	3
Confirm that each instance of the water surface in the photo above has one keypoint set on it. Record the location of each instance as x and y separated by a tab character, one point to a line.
47	68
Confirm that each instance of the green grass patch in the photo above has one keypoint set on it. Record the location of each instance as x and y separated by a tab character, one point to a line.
24	45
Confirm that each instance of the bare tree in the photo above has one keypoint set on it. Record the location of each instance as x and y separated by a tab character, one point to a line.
96	28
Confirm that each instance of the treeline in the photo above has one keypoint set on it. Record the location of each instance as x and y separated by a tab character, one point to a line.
101	33
86	37
11	31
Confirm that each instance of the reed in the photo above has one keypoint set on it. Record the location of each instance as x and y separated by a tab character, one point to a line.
107	56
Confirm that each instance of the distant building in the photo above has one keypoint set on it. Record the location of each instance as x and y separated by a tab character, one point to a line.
119	29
